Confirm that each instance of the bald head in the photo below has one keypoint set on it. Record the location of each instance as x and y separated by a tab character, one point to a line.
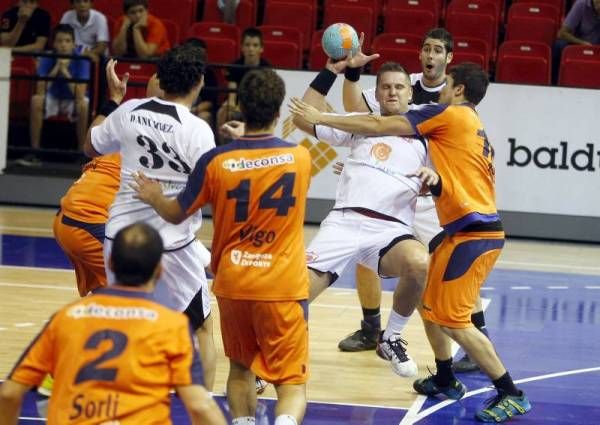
136	254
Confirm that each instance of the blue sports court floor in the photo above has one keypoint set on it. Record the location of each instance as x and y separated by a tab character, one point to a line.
546	327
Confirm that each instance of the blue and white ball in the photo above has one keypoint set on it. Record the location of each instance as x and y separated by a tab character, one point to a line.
340	40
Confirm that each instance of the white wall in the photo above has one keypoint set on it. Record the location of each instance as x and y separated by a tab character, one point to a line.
5	59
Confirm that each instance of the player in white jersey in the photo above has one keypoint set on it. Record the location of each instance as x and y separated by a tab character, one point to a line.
371	222
165	139
435	55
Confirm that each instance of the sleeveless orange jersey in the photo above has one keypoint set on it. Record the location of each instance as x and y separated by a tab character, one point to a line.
257	187
463	157
114	356
89	198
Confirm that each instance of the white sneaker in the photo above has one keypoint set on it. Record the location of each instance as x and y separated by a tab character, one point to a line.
393	349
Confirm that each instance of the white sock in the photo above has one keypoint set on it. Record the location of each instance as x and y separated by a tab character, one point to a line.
285	420
396	323
243	420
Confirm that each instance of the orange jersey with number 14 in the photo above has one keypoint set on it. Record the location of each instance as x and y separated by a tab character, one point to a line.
463	157
257	187
114	356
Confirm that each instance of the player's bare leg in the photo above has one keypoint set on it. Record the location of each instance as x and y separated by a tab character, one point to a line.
368	286
291	401
81	112
208	352
466	364
319	281
241	391
36	120
408	259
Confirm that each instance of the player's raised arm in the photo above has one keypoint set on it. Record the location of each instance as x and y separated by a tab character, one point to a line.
370	125
200	406
352	93
150	192
11	398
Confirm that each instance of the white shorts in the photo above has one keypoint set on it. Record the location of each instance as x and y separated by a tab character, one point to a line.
55	106
182	277
427	224
347	237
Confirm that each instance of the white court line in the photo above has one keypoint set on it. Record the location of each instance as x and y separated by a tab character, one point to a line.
526	264
487	288
33	286
520	288
557	287
413	411
24	325
42	269
592	287
28	418
445	403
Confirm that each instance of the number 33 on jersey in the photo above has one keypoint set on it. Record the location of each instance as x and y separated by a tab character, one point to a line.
257	187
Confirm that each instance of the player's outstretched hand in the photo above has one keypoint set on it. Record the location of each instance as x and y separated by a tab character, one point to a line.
338	167
233	129
304	110
360	59
116	87
428	177
147	190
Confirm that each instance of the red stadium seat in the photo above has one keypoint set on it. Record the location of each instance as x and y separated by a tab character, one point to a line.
245	13
221	50
580	67
397	40
112	8
535	10
281	33
478	7
59	7
21	90
471	50
172	31
559	4
531	29
431	6
221	31
316	57
407	57
523	62
283	54
373	5
361	18
472	25
139	74
183	12
410	21
304	17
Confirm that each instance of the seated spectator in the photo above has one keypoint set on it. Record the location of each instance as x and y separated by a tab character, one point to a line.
139	34
25	27
204	106
252	49
581	26
60	97
91	29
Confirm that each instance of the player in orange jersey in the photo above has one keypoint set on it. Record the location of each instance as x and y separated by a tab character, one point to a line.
465	200
257	186
116	354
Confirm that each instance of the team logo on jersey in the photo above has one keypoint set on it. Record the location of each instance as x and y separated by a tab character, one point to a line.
236	256
242	164
381	151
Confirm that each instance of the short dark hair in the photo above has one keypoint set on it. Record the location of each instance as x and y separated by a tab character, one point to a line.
180	69
136	252
200	44
252	32
473	77
391	67
443	35
260	94
128	4
64	29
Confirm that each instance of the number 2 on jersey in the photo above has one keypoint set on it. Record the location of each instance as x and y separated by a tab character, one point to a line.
267	200
90	370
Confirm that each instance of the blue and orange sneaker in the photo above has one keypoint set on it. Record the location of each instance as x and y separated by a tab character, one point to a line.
502	407
427	386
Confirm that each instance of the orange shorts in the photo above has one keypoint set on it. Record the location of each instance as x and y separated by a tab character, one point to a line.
268	337
457	269
82	244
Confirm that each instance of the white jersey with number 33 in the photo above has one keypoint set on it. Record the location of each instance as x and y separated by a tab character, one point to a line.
162	139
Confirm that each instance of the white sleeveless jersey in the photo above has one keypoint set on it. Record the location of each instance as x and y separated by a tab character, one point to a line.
164	140
375	174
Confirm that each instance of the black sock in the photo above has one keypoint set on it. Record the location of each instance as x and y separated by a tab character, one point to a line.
506	385
444	373
372	316
478	320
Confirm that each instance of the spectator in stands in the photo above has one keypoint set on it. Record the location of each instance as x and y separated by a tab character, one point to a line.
91	29
25	27
140	34
60	97
252	49
581	26
204	106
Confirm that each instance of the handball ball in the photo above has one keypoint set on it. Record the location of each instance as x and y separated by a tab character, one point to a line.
339	40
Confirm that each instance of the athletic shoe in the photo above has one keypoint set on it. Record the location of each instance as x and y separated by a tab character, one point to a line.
427	386
261	385
393	349
363	339
465	365
502	407
29	160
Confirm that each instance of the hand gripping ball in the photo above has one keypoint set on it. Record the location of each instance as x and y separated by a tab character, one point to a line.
339	40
